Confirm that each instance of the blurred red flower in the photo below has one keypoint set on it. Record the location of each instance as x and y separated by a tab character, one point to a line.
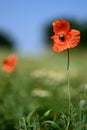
10	62
64	37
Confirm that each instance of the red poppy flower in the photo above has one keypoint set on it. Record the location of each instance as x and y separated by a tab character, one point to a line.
64	37
10	62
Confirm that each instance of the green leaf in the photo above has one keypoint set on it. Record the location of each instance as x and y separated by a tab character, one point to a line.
22	124
51	124
47	113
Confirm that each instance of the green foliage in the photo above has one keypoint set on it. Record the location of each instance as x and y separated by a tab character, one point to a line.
38	87
6	42
66	120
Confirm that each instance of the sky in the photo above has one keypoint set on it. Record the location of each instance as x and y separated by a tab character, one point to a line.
24	20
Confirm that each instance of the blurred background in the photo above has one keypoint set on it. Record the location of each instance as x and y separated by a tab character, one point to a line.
39	81
26	26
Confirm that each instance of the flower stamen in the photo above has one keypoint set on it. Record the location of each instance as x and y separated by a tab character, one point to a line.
62	37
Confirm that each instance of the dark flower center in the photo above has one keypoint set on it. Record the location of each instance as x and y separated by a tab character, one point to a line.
62	37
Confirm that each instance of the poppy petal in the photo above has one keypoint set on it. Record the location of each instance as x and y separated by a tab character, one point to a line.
61	26
8	68
74	38
58	48
10	62
59	45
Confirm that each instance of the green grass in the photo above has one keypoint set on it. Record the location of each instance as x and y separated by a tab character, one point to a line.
40	84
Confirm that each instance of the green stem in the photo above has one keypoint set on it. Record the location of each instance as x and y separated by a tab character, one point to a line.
68	76
68	59
68	83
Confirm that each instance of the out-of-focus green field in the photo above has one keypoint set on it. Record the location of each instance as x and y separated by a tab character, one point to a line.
40	83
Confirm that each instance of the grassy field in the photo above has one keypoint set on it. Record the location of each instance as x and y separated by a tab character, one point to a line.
40	84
